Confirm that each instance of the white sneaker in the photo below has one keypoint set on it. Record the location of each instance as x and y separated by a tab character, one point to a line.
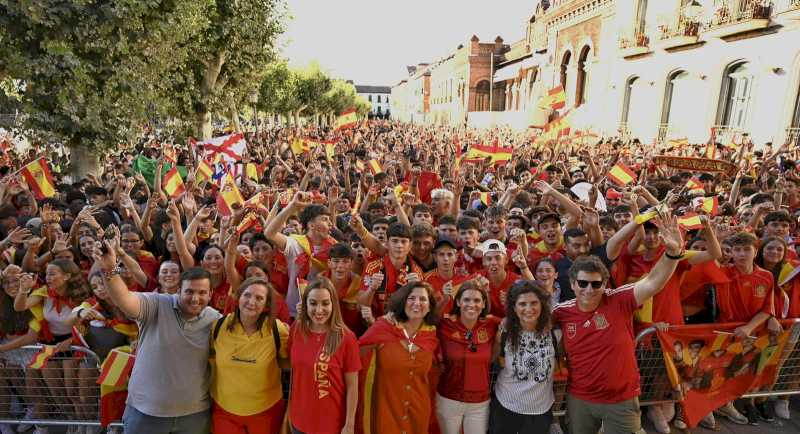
709	422
729	411
782	408
656	416
555	428
669	411
28	416
6	429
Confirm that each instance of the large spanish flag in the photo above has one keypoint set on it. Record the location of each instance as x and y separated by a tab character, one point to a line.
116	368
498	154
620	174
229	196
40	180
347	119
173	184
555	99
40	359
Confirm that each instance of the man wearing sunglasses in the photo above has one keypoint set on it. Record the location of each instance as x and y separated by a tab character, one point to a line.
597	330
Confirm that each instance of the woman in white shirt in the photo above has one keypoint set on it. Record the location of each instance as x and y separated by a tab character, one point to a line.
524	395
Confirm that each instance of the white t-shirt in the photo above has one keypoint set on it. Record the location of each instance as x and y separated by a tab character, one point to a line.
525	384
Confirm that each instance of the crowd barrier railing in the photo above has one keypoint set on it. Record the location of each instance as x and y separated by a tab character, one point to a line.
65	391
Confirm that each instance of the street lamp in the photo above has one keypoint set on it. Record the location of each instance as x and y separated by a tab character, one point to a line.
254	102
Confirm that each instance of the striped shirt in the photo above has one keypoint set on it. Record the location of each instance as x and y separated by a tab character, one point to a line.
525	384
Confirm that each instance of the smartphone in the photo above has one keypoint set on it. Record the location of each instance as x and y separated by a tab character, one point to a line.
487	179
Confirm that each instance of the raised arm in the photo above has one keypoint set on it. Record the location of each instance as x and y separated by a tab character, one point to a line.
128	302
231	254
367	238
570	206
671	237
187	260
713	249
273	230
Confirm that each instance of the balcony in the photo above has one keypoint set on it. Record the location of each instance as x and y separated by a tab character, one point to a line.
682	33
787	10
636	45
738	16
726	134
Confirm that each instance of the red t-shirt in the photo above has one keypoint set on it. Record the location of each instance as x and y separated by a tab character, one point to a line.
745	295
498	295
437	282
465	373
600	348
467	263
318	393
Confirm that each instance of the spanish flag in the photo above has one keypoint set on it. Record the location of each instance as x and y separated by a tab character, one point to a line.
229	196
557	128
695	187
555	99
478	153
649	215
116	368
690	221
170	155
251	169
710	205
299	146
40	180
40	359
486	198
347	119
203	173
375	167
711	151
247	222
173	184
620	174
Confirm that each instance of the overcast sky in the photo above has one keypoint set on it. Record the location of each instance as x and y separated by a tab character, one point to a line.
372	41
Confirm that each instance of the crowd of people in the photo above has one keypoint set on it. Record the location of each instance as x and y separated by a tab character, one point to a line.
405	287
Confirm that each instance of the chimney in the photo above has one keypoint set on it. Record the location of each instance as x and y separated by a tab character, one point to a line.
474	44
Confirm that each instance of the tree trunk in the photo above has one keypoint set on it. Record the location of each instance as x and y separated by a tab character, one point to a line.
83	161
204	127
237	124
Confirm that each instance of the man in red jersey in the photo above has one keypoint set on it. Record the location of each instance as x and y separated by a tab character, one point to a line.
597	333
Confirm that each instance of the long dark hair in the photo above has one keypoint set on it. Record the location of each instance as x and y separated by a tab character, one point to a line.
11	321
776	271
107	306
512	320
265	315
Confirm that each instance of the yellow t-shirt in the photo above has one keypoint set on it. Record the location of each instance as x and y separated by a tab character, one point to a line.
245	378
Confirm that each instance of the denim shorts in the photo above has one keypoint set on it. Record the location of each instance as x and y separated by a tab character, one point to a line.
137	422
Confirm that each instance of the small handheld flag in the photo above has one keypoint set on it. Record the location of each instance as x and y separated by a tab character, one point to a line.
173	184
116	368
40	180
40	359
621	175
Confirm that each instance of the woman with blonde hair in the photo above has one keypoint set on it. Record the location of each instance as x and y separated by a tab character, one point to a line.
246	346
325	364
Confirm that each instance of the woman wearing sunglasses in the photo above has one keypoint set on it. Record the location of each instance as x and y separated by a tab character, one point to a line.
524	387
466	337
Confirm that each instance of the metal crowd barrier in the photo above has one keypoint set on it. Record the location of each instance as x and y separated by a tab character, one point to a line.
62	393
44	397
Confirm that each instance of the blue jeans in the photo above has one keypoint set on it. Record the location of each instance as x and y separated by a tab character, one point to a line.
137	422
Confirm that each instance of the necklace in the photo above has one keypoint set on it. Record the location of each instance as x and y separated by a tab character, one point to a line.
410	339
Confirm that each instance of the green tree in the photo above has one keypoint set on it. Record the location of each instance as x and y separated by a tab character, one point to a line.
96	71
231	56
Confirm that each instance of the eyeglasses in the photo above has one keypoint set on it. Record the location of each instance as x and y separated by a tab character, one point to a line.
471	344
596	284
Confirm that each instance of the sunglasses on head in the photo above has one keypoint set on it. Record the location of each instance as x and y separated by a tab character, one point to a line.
468	336
596	284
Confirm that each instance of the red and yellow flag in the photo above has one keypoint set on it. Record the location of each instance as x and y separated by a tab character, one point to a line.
690	221
251	169
555	99
173	184
228	196
710	205
694	186
249	220
486	198
498	154
375	167
347	119
40	180
620	174
116	368
40	359
330	150
170	155
203	173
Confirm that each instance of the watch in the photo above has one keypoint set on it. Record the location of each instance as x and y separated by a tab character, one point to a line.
115	272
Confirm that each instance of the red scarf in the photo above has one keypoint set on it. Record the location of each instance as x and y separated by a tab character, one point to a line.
59	299
392	279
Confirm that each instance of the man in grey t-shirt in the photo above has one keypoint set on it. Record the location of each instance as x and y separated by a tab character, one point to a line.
168	388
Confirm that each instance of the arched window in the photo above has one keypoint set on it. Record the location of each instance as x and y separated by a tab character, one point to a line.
482	96
676	112
564	65
671	97
626	100
735	95
583	66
